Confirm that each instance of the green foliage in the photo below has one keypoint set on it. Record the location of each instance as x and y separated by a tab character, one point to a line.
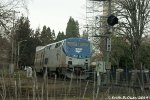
23	30
72	29
44	37
60	36
36	37
85	35
47	36
53	35
120	54
27	52
27	40
24	42
145	53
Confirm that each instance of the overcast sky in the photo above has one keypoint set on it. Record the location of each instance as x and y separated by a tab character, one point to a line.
56	13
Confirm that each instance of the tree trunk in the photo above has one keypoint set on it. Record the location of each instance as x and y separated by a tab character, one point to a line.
136	57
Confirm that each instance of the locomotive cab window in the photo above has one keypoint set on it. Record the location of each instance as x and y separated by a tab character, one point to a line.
71	43
85	44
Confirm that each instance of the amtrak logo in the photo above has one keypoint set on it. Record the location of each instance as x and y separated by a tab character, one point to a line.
78	50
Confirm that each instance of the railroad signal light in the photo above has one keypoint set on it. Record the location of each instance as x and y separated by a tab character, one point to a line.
112	20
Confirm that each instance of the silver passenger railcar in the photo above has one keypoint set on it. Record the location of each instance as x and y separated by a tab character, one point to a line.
69	57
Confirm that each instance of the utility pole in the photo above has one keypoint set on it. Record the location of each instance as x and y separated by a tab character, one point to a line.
111	20
11	66
107	37
108	47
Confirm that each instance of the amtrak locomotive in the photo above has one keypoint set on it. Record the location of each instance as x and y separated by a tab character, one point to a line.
69	57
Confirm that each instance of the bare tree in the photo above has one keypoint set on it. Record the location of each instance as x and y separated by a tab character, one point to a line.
134	16
8	8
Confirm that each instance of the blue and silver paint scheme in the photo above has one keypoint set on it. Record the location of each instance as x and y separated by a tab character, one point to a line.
77	48
78	52
68	56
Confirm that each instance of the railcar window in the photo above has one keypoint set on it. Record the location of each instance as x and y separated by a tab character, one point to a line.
69	62
71	43
49	47
46	60
57	45
84	44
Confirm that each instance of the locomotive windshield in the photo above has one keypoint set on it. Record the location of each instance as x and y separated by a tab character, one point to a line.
85	44
77	48
71	43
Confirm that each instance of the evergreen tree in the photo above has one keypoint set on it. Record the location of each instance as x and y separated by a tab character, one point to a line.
24	42
36	37
85	34
72	29
60	36
22	29
47	36
37	33
43	36
53	35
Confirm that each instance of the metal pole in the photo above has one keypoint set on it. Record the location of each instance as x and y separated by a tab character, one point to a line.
11	67
19	52
18	55
108	46
12	52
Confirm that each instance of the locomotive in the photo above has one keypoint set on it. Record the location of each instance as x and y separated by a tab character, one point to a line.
69	57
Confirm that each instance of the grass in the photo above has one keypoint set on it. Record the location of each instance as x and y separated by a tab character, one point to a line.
19	87
77	98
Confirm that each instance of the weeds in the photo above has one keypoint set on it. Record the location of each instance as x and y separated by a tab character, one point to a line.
19	87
